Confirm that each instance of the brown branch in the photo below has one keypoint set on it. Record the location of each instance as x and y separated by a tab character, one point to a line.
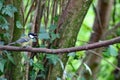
112	30
64	50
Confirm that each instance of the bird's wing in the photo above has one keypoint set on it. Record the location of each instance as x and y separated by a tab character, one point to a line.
22	40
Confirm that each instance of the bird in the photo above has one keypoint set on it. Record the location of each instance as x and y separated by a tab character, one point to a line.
26	40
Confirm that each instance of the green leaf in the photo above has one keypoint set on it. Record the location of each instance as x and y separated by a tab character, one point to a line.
44	36
7	35
37	65
112	50
56	18
3	19
5	26
19	25
53	59
52	27
3	23
9	10
26	59
42	30
72	54
32	75
31	61
10	58
1	4
88	68
54	36
2	64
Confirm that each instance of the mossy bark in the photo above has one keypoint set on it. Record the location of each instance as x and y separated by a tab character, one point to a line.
71	21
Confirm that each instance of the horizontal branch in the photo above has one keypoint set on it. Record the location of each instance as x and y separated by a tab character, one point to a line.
64	50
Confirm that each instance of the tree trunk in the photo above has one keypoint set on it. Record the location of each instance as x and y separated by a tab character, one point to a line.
14	71
68	27
100	26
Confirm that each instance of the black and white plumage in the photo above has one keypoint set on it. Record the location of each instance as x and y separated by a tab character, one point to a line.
23	41
32	35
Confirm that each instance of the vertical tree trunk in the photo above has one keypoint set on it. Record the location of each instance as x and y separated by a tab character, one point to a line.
100	26
68	27
14	72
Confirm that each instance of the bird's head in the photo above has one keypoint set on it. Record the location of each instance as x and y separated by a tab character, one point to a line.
32	35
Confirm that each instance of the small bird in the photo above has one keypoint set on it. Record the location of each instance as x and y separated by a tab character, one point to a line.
24	41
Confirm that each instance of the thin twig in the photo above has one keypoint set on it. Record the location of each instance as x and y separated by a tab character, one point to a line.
104	59
112	30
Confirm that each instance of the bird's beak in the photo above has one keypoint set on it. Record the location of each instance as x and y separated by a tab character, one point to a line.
36	36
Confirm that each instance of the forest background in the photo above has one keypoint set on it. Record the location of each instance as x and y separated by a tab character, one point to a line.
60	24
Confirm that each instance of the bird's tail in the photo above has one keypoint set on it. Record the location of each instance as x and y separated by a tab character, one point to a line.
11	43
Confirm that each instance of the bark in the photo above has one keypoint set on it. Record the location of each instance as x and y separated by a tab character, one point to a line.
63	50
68	27
100	26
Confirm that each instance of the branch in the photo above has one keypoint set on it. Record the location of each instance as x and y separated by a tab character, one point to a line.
63	50
111	31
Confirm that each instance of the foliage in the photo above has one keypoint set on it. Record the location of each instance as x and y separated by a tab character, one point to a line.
53	59
111	51
47	35
6	10
9	10
106	70
2	64
5	57
37	65
18	24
